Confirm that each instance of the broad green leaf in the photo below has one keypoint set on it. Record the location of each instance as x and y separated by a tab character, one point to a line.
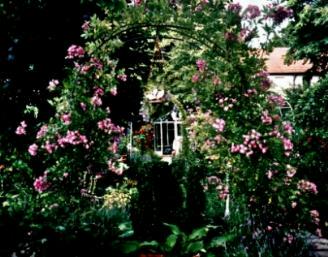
150	244
198	233
220	240
174	229
130	246
195	247
171	242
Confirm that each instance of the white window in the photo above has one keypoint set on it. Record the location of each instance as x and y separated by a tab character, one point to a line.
167	135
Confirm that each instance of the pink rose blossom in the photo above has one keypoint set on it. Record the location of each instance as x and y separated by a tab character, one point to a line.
20	130
83	106
195	78
294	204
99	91
266	118
122	77
108	127
73	138
113	91
307	186
33	149
236	8
118	167
288	128
41	184
315	216
219	125
264	79
96	100
318	232
277	100
291	171
216	80
66	118
86	25
50	147
96	63
288	146
42	132
52	84
252	11
201	65
280	13
269	174
75	51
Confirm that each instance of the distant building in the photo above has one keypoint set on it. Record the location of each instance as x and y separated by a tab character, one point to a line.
285	76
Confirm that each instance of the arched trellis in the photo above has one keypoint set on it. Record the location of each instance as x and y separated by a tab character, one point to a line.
179	30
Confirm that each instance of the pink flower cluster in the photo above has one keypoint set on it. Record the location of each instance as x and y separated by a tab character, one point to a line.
245	34
75	51
236	8
33	149
66	118
271	173
277	100
118	167
96	99
291	171
52	84
201	65
108	127
73	138
20	130
86	25
195	78
41	184
266	118
250	92
216	80
288	128
227	103
219	125
96	63
42	132
307	186
279	13
50	147
288	145
222	189
252	142
252	11
265	81
122	77
315	216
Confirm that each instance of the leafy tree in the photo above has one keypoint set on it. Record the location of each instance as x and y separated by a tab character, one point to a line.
306	40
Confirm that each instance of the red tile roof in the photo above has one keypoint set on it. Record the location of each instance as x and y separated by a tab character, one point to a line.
275	63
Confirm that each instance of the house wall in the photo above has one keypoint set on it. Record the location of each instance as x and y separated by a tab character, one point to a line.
281	82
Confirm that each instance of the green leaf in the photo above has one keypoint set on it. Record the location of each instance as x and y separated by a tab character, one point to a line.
195	247
127	234
130	246
174	229
220	240
171	242
198	233
153	243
